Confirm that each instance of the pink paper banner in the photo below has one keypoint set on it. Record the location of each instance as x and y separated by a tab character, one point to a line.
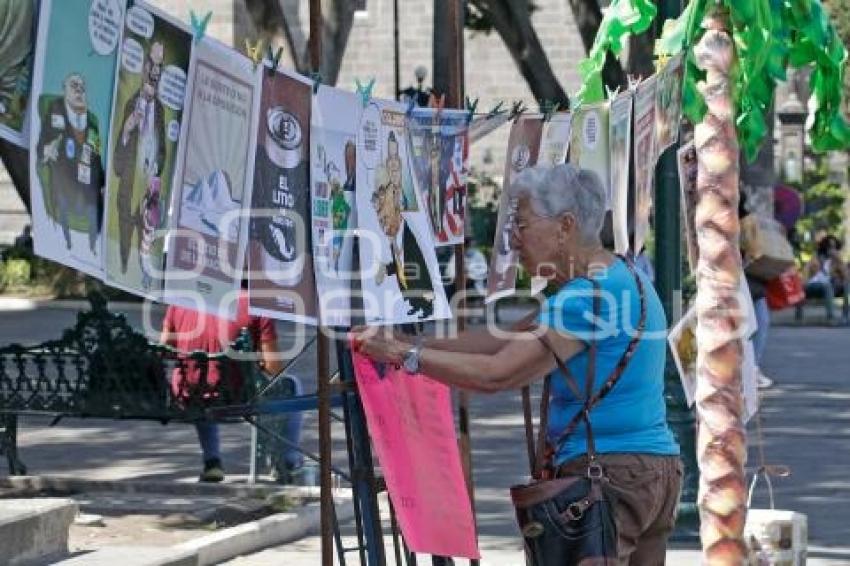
412	428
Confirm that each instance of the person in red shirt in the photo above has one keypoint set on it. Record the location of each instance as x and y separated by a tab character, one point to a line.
190	330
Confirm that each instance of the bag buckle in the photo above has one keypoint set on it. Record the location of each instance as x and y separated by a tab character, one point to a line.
595	471
575	511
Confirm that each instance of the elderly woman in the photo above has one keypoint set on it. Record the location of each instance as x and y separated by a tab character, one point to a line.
558	221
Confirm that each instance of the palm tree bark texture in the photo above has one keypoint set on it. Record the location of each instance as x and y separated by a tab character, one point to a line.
721	440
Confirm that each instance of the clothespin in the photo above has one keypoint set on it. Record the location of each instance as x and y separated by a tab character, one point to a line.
273	58
317	81
254	52
365	92
549	108
471	105
517	109
199	25
496	110
633	82
612	94
661	61
411	104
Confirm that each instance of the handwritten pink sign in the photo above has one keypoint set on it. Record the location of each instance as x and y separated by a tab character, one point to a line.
412	428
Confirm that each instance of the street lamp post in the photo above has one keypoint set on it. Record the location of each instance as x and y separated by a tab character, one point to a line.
792	137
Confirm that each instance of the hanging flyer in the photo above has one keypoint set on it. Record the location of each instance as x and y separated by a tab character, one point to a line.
400	275
523	151
668	103
644	158
555	141
334	119
212	181
589	144
620	142
280	255
18	23
686	158
72	87
147	110
439	151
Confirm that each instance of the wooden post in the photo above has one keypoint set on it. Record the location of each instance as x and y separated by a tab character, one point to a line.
721	437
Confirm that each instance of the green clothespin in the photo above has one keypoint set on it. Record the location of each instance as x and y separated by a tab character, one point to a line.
496	110
517	110
365	92
199	25
471	105
549	108
273	58
612	94
254	52
317	81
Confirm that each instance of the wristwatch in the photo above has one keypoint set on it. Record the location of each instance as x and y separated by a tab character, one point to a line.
411	358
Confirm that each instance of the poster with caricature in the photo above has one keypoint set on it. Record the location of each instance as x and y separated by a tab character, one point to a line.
439	152
147	110
72	87
686	158
18	23
668	103
620	144
555	141
280	254
644	158
589	144
213	180
523	152
398	261
334	120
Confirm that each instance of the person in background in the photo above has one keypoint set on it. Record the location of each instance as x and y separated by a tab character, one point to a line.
827	276
190	330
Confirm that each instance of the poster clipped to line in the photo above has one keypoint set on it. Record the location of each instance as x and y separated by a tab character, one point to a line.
400	276
439	154
334	120
644	158
589	144
18	29
668	103
145	129
280	254
523	152
555	140
411	424
620	144
212	181
686	159
72	88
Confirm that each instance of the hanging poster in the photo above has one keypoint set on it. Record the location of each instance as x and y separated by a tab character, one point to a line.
439	152
334	119
412	428
589	144
555	139
398	260
280	255
644	158
145	128
212	181
668	103
686	158
18	22
73	82
620	142
523	151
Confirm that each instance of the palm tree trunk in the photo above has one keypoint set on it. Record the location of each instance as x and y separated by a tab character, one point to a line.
721	441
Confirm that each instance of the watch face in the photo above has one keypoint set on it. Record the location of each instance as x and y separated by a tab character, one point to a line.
411	361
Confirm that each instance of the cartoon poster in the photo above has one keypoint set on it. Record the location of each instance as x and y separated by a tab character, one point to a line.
644	158
668	103
280	254
145	128
686	158
589	144
523	151
334	119
555	140
620	142
398	260
73	83
439	152
18	23
212	180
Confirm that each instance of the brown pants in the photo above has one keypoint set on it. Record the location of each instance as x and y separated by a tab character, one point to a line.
647	489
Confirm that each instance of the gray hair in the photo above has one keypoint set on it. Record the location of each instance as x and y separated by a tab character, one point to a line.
553	191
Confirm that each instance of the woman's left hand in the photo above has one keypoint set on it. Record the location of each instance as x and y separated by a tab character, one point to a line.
378	344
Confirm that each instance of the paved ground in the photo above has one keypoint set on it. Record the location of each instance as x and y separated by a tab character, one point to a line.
806	425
